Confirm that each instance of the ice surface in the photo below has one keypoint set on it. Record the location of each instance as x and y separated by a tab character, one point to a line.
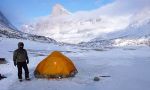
128	67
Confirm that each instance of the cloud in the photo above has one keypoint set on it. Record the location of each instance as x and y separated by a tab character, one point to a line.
123	7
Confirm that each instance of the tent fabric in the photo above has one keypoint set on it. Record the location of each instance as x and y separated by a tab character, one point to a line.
56	65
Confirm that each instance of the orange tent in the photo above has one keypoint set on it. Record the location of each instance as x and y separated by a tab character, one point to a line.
56	65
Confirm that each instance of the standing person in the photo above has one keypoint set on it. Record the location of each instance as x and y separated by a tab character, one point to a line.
20	58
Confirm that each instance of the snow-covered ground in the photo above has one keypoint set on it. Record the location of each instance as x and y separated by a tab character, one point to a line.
127	67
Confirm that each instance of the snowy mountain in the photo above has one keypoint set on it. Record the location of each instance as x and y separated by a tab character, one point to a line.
4	23
75	27
91	27
7	30
137	33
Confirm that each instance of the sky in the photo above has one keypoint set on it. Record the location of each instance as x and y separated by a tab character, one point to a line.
21	11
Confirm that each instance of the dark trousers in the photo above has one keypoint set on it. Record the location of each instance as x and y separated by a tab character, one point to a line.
23	65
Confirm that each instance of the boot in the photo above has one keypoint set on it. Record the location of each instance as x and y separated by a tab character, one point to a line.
20	80
28	79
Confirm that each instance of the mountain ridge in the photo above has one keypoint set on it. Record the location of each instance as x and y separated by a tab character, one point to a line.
7	30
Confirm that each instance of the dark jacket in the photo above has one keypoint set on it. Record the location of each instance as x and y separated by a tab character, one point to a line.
20	55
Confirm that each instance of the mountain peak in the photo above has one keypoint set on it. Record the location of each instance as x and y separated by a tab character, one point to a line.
59	10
